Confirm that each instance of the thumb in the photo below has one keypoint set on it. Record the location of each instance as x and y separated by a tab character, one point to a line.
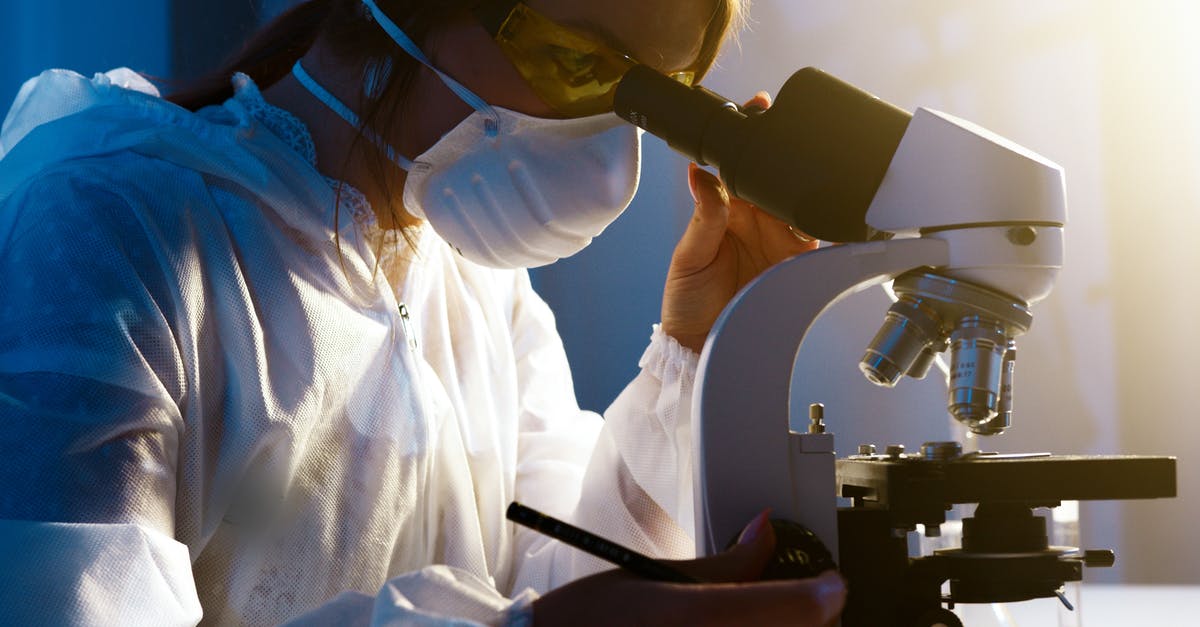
710	218
744	561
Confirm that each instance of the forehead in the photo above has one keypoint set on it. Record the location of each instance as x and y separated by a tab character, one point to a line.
665	34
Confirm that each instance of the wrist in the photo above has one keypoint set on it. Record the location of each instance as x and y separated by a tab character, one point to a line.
691	341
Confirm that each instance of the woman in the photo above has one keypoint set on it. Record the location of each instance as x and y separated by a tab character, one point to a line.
274	354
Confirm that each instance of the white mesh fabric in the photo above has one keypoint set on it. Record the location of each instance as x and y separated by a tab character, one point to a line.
41	100
107	588
183	354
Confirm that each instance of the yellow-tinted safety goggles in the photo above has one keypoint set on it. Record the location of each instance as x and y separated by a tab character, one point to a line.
570	71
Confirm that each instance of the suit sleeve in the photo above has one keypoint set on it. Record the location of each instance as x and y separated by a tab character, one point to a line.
90	383
626	477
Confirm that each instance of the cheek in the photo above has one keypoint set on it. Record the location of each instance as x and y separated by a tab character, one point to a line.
466	52
431	112
497	81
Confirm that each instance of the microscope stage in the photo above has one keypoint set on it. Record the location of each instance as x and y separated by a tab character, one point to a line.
915	488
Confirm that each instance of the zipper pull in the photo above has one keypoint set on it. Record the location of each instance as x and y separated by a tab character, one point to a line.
408	330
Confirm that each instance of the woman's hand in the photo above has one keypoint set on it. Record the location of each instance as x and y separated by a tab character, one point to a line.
617	597
727	243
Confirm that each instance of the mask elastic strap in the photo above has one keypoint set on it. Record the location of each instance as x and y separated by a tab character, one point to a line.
492	123
347	114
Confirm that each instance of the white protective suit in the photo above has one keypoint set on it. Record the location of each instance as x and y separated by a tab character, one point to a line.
204	408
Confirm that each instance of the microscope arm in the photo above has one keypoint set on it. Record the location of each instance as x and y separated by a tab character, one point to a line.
743	459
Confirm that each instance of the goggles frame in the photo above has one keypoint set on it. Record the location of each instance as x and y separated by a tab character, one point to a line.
570	71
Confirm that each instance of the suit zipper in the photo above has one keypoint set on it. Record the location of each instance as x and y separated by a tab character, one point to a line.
406	323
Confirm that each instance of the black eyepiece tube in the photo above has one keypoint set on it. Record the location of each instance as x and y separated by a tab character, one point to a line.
682	116
814	159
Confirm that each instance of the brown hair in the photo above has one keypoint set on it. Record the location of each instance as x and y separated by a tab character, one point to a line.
359	43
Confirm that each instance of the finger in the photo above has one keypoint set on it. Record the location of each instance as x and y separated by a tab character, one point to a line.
702	238
781	239
767	239
741	213
759	103
744	561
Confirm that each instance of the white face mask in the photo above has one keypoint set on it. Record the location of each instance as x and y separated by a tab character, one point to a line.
508	190
538	191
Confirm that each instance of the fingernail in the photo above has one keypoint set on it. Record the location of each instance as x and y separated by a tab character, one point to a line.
692	168
755	529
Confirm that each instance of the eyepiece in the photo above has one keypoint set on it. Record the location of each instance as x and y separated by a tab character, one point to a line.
814	159
693	120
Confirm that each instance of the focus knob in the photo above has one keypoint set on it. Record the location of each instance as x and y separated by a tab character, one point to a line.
799	553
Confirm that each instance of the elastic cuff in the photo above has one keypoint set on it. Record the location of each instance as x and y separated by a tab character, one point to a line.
667	359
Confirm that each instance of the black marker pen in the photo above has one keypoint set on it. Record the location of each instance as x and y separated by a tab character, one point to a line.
628	559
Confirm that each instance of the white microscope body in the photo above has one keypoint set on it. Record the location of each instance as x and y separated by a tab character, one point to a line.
978	237
969	228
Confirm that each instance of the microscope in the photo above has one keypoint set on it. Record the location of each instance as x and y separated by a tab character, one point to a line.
968	227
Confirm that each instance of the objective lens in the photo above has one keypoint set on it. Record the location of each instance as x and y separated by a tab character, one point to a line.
908	332
977	350
925	360
1004	407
